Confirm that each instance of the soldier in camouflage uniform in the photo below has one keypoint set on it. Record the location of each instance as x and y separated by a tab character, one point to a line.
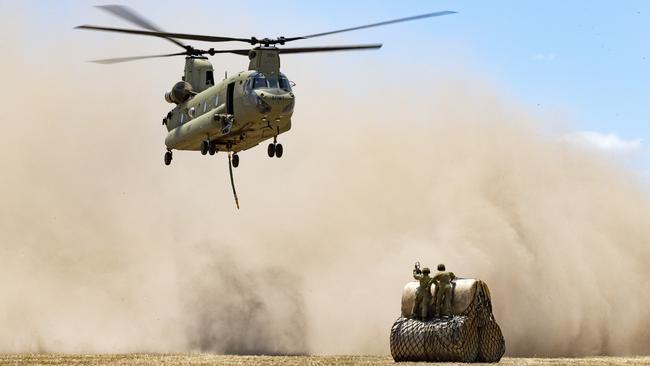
442	304
422	294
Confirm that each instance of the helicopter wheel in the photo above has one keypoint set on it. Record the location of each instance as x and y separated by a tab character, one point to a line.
279	150
235	160
168	157
271	150
205	146
213	149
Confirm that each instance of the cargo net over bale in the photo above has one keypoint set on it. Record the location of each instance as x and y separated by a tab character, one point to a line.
470	334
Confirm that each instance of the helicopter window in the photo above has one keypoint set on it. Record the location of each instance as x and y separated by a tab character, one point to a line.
209	78
284	83
247	87
216	101
259	81
205	106
273	83
182	117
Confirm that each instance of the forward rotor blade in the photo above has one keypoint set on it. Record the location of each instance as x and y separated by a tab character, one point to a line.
134	58
429	15
195	37
331	48
131	16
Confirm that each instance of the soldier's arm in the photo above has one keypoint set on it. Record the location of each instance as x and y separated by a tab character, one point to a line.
452	276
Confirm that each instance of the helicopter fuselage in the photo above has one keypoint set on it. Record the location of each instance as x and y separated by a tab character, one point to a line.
234	115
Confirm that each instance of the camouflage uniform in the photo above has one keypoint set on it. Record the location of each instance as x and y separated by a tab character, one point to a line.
442	304
422	294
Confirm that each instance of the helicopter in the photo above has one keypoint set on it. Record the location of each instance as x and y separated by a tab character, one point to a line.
240	111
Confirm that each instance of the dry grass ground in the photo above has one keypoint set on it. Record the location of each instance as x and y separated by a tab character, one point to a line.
208	359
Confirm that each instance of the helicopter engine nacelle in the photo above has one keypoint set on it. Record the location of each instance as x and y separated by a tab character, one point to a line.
181	91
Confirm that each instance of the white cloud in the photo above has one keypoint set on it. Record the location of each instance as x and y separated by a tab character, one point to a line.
606	142
544	57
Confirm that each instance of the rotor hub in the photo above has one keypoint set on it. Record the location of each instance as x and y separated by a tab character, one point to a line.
268	41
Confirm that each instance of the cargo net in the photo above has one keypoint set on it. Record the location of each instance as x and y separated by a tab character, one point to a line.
473	336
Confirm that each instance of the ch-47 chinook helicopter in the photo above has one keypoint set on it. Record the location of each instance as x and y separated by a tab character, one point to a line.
240	111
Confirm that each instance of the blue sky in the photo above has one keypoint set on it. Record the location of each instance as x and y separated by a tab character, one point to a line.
589	58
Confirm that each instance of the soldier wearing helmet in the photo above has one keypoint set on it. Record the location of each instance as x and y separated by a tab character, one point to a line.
422	294
443	281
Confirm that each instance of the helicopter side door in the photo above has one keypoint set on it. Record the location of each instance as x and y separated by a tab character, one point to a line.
230	98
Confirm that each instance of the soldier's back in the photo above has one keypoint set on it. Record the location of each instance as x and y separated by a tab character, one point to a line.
444	278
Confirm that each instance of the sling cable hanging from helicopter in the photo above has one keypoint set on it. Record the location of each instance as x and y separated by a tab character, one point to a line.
232	180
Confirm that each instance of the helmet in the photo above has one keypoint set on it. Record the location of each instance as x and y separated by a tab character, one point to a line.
441	267
426	270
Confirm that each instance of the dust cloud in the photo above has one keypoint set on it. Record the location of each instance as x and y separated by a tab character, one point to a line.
244	311
103	249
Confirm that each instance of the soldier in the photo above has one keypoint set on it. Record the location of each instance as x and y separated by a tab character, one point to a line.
442	305
422	294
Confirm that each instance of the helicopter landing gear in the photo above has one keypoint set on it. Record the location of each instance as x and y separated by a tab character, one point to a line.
235	160
168	157
208	147
275	149
205	146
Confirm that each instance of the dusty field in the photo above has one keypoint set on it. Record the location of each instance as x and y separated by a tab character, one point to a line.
208	359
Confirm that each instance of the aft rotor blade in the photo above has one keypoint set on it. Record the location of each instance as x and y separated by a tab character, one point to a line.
131	16
331	48
429	15
195	37
134	58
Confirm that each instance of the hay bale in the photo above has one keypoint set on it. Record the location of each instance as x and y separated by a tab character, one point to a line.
471	334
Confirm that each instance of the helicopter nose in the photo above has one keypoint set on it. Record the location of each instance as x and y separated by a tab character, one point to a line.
275	100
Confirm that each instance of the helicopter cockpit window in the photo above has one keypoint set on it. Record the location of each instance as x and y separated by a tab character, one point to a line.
259	81
247	87
209	78
273	82
284	83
